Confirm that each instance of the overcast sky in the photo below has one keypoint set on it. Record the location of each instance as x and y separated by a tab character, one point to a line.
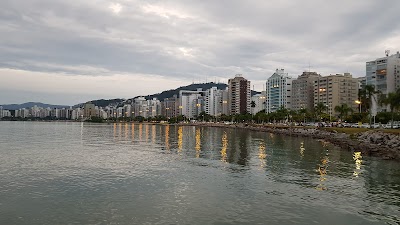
72	51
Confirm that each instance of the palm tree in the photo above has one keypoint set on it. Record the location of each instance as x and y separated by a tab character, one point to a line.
343	110
282	113
319	109
367	94
252	105
393	101
304	113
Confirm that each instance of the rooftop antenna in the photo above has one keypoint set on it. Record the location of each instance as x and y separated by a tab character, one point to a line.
387	52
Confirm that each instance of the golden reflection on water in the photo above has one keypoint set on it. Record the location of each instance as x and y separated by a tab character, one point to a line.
153	133
115	130
198	142
180	139
147	132
167	136
322	170
133	131
262	155
357	157
302	149
126	130
224	146
140	131
324	143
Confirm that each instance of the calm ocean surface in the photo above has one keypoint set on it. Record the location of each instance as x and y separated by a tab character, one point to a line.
79	173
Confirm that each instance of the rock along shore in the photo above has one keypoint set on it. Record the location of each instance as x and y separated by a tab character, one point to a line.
373	142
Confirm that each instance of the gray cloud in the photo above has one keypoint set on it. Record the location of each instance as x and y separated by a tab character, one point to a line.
189	40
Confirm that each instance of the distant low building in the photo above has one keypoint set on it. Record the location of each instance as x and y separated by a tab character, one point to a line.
259	102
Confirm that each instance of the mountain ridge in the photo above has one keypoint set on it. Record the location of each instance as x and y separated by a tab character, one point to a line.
120	101
31	104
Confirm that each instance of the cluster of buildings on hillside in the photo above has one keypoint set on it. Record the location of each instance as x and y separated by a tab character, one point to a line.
304	92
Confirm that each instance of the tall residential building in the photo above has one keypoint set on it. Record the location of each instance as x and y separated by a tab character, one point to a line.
384	73
362	81
278	91
303	91
225	102
214	101
170	107
140	107
336	90
89	110
259	102
191	103
239	96
4	113
154	107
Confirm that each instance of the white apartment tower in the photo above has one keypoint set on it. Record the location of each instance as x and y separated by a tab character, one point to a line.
384	73
278	91
259	102
214	101
191	103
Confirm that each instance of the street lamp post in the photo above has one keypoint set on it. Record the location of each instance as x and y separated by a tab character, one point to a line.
359	103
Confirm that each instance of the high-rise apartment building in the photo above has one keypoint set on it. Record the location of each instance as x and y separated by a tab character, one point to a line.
336	90
362	81
225	102
384	73
278	91
88	111
303	91
214	101
239	95
191	103
170	107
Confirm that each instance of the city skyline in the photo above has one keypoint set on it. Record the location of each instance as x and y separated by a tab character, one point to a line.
61	52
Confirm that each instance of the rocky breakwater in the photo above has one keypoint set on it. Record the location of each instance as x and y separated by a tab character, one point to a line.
373	143
381	144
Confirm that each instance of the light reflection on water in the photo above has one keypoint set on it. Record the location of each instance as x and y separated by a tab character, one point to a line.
64	173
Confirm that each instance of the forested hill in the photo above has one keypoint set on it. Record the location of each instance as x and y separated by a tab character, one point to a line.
103	102
28	105
193	87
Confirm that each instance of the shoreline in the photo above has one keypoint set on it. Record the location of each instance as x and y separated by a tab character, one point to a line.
372	142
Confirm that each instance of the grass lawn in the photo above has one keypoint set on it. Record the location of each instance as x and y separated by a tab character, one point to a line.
349	130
